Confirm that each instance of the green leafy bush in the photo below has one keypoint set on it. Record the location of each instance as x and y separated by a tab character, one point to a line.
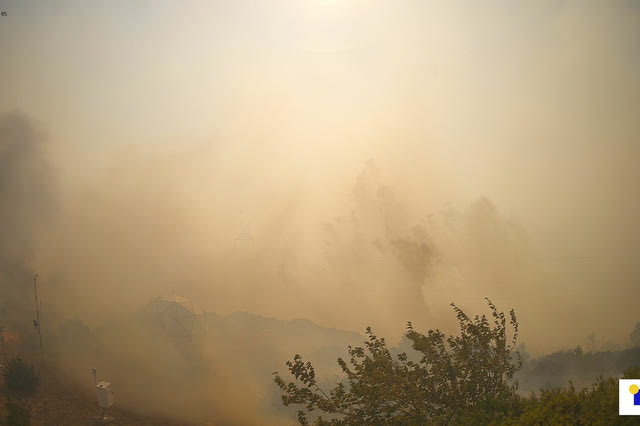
18	413
454	376
457	380
596	404
20	377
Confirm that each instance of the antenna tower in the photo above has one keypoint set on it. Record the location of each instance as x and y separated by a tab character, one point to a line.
36	322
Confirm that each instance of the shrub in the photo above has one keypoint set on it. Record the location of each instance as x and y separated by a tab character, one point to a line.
456	378
18	413
20	377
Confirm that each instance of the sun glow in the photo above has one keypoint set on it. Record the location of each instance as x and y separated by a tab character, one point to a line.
335	25
325	2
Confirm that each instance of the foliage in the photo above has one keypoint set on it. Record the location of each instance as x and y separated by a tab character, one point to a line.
20	376
454	376
556	369
635	335
18	413
594	405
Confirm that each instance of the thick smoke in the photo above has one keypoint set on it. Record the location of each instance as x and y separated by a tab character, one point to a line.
232	167
27	197
377	260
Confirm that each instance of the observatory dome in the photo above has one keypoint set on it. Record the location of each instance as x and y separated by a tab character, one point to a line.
179	317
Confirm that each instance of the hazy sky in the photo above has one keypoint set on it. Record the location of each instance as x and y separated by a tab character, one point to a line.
174	127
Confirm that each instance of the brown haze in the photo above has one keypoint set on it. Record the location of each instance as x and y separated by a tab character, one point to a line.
352	163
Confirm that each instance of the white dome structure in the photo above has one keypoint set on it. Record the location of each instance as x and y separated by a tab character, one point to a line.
179	316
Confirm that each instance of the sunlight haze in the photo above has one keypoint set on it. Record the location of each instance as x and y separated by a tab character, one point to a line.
350	162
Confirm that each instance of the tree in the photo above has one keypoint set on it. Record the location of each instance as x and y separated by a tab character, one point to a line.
454	376
635	335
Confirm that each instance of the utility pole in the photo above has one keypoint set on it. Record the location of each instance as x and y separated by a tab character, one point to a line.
36	322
